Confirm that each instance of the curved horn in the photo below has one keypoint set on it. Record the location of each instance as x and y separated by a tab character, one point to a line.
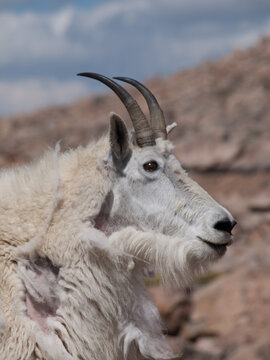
157	117
144	133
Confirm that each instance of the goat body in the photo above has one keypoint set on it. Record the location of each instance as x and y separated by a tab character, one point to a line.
78	231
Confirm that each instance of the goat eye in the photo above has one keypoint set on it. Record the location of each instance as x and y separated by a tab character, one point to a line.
150	166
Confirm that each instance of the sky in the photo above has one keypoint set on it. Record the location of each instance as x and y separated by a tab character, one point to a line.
45	43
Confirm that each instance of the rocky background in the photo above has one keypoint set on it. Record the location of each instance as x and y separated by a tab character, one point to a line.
223	140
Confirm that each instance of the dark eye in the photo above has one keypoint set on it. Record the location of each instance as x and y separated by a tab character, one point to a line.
150	166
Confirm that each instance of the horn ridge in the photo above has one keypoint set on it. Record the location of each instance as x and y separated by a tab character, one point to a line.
158	123
144	133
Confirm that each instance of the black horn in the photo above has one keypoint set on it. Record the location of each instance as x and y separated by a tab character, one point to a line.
144	133
156	114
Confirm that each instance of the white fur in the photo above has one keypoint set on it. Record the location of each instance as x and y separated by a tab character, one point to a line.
75	240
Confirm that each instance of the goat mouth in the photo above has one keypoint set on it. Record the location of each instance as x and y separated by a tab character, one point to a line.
220	249
216	247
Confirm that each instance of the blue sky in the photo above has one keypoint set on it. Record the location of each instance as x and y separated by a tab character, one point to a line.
44	43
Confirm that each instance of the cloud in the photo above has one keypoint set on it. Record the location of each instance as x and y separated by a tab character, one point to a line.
30	94
29	37
136	38
77	35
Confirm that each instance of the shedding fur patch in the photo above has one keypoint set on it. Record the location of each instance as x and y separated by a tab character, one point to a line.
39	304
40	278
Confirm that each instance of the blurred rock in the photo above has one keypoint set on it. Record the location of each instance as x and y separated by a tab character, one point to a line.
260	203
174	307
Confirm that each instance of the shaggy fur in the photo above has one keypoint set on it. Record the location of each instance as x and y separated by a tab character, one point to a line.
44	217
71	281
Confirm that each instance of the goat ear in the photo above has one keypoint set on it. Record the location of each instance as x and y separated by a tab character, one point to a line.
119	138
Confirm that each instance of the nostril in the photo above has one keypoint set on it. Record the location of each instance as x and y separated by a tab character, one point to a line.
225	225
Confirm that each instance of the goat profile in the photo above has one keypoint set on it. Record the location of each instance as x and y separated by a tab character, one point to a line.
80	229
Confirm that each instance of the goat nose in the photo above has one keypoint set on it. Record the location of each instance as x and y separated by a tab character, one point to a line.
225	224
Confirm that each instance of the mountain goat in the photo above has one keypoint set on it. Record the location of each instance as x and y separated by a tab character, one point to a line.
79	230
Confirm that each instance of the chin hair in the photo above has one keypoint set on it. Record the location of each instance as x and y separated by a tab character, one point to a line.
177	260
